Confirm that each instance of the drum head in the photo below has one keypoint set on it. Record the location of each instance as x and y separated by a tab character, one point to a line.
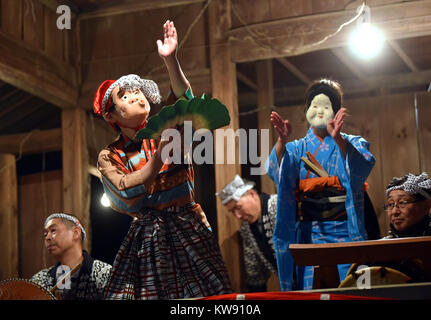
21	289
376	275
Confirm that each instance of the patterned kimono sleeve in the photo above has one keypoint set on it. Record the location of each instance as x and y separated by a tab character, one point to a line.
125	189
359	159
255	271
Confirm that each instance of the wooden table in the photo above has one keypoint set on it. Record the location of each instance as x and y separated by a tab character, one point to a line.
325	257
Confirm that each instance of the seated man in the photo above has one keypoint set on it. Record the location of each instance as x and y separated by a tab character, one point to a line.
258	215
408	207
64	236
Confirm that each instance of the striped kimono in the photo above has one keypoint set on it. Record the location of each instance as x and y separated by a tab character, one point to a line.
352	173
170	251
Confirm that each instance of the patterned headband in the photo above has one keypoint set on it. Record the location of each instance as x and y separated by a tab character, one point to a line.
130	82
414	185
69	218
235	190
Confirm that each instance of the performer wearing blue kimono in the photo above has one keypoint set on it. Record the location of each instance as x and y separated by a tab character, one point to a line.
323	205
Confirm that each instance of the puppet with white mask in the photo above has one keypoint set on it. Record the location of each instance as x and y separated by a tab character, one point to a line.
320	181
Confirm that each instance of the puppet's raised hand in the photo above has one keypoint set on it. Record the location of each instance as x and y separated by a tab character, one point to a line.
169	45
334	125
282	126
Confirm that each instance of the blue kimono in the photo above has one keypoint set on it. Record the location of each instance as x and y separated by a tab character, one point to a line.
352	173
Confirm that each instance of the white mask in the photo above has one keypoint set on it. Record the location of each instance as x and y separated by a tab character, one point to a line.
320	111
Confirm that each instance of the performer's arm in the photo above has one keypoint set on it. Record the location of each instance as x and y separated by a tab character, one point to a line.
283	129
168	52
334	129
124	188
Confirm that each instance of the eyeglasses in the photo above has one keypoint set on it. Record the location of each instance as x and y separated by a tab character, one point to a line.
400	205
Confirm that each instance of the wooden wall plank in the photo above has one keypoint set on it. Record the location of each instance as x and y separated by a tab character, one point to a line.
76	179
40	195
53	44
33	26
8	217
11	18
134	51
289	8
364	120
424	116
224	88
328	5
129	6
399	147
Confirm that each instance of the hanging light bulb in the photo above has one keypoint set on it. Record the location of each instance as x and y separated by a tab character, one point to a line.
366	41
104	200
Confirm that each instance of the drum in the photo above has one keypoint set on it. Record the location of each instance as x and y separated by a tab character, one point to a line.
377	275
22	289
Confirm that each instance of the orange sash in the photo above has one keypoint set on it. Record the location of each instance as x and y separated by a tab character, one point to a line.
318	184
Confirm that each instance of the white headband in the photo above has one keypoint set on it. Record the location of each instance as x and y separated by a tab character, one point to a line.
69	218
414	185
234	190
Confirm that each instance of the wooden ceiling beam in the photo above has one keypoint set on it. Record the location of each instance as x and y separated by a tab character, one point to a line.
23	115
128	6
294	70
299	35
246	80
403	55
53	5
10	107
37	141
36	73
347	62
9	94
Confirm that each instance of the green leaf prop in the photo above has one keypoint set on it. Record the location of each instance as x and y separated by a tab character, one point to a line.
204	112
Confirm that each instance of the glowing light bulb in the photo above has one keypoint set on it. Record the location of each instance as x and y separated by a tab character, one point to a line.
105	201
366	41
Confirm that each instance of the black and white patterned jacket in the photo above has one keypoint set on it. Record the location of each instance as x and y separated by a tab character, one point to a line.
258	246
88	283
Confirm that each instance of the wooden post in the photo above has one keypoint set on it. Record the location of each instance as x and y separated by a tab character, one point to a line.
8	217
265	99
224	88
76	190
